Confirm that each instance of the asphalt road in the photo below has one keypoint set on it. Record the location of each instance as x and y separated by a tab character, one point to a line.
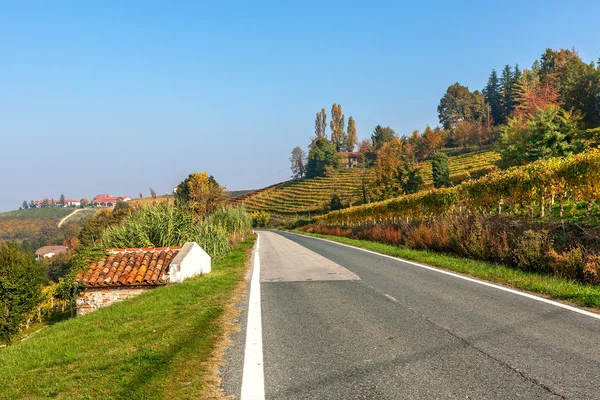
340	323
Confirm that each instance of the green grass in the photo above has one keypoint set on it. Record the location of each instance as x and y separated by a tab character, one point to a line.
545	285
154	346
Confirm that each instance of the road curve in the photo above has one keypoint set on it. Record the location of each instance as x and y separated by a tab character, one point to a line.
363	326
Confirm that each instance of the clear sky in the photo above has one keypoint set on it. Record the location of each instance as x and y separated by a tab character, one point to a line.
120	96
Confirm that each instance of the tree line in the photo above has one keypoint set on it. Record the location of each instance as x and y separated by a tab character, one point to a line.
549	110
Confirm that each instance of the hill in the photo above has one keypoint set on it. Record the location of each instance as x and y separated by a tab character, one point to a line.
311	196
24	224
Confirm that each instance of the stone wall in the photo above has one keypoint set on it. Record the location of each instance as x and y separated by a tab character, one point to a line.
93	298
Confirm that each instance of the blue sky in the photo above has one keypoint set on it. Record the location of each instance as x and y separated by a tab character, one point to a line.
118	97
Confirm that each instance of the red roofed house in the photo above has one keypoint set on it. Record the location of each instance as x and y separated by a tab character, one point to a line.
108	200
349	159
68	203
125	273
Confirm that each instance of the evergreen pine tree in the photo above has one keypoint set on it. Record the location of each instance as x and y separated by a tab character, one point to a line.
492	96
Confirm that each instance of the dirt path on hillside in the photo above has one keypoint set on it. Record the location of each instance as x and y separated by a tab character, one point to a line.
62	221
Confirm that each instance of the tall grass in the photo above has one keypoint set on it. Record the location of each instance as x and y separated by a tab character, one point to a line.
234	219
163	224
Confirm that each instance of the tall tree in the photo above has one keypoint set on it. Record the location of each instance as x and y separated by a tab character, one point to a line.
203	191
433	139
459	104
337	126
440	170
298	161
507	84
577	82
394	172
320	124
62	200
381	136
153	193
351	138
321	155
492	96
25	205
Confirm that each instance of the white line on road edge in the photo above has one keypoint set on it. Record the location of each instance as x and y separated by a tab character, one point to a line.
466	278
253	380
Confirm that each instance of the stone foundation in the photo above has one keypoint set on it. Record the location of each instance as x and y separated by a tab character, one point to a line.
93	298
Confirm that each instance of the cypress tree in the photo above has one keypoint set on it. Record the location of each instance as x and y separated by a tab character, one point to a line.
440	170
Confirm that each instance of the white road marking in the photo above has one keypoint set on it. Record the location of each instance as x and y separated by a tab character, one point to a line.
466	278
391	298
253	379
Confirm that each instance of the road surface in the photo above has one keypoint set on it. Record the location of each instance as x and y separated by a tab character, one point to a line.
341	323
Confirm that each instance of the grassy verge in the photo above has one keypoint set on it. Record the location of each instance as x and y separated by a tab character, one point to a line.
548	286
159	345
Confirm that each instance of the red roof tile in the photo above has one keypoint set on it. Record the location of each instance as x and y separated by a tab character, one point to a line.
130	267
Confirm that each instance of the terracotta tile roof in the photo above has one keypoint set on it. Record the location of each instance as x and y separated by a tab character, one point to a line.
130	267
108	198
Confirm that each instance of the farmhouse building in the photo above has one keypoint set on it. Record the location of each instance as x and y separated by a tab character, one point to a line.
49	251
52	202
349	159
125	273
108	200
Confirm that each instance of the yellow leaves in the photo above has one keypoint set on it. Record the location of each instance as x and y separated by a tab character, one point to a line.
577	176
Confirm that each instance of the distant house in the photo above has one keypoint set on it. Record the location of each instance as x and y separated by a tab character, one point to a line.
49	251
108	200
349	159
125	273
51	202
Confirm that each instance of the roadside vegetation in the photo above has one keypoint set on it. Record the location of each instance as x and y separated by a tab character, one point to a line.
158	345
198	214
578	293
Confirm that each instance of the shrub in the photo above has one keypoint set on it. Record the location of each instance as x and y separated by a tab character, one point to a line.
531	251
335	203
567	264
20	288
591	269
260	219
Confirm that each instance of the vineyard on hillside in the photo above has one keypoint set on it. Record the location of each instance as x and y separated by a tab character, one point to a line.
533	190
312	196
31	222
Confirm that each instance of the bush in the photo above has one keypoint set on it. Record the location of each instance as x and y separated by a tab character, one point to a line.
20	288
568	264
260	219
335	203
531	251
591	270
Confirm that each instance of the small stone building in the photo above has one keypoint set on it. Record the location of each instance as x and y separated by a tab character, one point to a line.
125	273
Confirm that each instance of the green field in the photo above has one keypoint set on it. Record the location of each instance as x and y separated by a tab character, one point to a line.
311	196
158	345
